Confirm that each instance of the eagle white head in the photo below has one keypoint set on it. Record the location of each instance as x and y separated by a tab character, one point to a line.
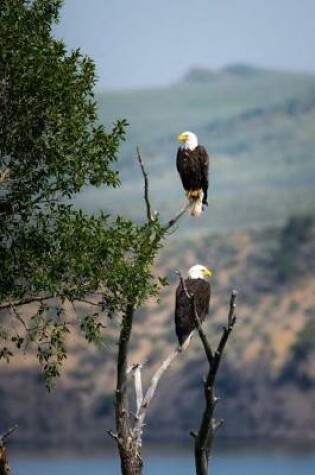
188	139
199	272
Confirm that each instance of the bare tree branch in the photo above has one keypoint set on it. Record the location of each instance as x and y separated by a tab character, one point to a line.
208	427
113	435
174	220
202	334
25	301
147	399
150	218
7	433
19	317
146	186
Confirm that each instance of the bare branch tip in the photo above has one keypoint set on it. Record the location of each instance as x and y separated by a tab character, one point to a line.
234	293
218	424
113	434
8	433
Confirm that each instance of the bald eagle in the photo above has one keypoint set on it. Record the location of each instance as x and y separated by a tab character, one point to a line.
192	164
198	285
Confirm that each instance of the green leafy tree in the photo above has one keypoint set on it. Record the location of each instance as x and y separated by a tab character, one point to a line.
51	147
52	254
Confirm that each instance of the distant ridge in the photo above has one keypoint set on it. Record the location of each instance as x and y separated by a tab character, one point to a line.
200	74
258	125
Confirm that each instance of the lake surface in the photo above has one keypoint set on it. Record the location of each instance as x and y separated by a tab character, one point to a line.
177	464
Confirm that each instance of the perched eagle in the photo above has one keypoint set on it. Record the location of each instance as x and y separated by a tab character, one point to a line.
192	164
198	285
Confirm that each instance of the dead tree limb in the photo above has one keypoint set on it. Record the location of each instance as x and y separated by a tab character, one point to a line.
176	218
147	398
128	434
4	464
150	218
146	186
205	437
130	456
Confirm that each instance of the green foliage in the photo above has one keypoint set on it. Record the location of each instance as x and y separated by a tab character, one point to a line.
91	328
51	147
51	143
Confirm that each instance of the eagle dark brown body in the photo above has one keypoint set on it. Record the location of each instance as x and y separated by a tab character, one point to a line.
193	168
184	312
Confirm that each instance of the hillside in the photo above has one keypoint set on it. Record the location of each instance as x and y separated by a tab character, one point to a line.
267	377
259	128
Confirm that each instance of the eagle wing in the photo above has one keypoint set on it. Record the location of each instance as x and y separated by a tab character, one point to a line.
193	168
185	167
184	312
203	159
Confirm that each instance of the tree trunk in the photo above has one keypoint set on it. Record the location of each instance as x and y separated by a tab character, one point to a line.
205	437
130	460
129	450
4	465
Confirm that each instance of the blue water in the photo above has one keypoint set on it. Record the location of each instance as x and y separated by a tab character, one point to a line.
179	464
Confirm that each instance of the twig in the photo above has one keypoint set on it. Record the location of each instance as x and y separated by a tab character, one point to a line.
7	433
19	318
89	302
174	220
25	301
113	434
146	187
150	218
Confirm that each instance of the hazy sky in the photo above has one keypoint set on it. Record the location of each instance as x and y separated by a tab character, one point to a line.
139	43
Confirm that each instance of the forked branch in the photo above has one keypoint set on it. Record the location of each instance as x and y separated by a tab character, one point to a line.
205	437
147	398
150	218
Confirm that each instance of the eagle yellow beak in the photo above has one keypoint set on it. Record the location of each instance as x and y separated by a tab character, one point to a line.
207	273
181	137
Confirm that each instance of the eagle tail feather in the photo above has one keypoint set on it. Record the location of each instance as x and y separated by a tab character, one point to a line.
195	203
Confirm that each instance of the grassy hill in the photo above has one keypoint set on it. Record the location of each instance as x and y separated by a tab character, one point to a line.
259	127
